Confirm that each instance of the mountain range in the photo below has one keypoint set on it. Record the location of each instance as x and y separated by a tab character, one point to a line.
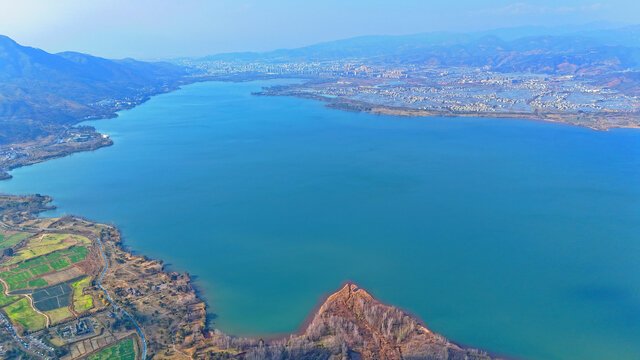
43	93
529	49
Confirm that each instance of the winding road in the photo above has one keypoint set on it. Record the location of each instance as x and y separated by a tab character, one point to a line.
106	293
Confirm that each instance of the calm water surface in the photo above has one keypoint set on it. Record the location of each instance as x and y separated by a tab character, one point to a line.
518	237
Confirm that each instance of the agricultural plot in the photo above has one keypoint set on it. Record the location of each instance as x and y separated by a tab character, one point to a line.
38	283
123	350
7	241
52	297
77	254
4	300
28	264
81	302
40	269
17	278
58	315
22	313
47	244
59	264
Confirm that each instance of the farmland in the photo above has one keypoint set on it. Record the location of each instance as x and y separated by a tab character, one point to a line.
4	299
7	241
22	313
123	350
81	302
46	244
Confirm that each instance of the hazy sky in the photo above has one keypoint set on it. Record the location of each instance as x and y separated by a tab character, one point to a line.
148	29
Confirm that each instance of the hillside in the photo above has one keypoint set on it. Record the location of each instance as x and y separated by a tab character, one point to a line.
42	94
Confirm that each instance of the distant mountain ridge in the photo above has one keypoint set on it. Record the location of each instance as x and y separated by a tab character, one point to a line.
505	50
41	93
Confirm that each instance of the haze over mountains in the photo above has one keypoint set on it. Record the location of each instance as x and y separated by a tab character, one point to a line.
527	49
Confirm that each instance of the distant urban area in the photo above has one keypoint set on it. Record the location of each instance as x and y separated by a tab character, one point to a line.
426	90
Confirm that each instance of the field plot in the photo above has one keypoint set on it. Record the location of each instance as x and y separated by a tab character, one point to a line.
38	283
22	313
81	302
52	297
46	244
58	315
77	254
4	300
123	350
40	269
7	240
59	264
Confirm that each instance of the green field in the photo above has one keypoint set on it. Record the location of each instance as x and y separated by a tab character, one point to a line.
48	244
81	303
20	277
9	241
38	283
30	263
4	300
58	315
18	286
22	313
40	269
59	264
77	254
121	351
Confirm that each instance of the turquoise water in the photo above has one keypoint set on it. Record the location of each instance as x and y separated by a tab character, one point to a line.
518	237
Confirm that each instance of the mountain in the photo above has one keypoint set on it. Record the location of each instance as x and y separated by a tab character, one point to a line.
530	49
42	93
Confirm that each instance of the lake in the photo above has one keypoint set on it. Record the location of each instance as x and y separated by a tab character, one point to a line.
518	237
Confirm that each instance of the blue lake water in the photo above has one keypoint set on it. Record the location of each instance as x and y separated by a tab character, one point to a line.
518	237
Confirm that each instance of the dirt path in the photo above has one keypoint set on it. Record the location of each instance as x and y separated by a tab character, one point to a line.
38	311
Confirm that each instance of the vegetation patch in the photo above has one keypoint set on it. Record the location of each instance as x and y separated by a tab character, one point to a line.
40	269
58	315
59	264
9	241
38	283
21	312
77	254
81	302
121	351
20	277
4	300
30	263
47	244
18	286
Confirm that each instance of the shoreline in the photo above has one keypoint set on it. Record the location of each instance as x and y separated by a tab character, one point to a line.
569	119
209	317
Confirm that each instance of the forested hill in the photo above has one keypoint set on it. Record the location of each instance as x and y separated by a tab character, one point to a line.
42	93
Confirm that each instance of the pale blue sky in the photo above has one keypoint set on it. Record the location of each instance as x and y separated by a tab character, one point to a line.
170	28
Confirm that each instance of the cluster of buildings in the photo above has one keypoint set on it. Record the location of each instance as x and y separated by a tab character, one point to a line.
452	89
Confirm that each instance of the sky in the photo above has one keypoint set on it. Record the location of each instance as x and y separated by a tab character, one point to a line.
156	29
